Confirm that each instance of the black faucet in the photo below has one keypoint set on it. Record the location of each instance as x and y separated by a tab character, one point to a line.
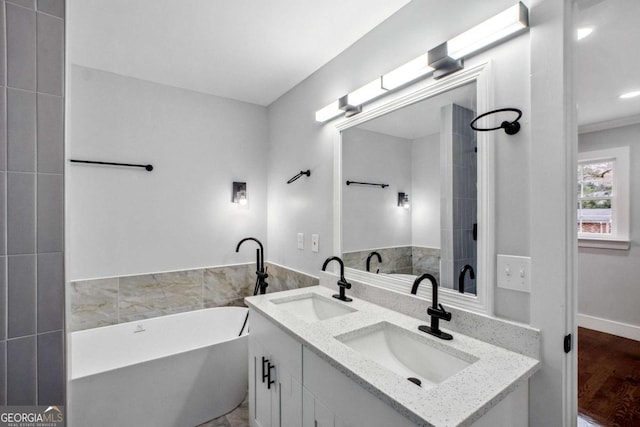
436	312
416	283
369	260
472	275
261	274
342	283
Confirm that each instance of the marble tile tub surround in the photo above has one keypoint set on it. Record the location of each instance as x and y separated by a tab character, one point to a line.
109	301
494	373
512	336
398	260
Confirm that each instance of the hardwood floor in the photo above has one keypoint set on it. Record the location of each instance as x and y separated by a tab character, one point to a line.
608	379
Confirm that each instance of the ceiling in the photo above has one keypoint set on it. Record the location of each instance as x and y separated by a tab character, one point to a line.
422	118
255	51
249	50
608	60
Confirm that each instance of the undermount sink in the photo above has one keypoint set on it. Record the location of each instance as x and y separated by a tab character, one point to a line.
313	307
405	353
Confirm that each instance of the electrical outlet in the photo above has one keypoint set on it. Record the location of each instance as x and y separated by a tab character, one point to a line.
314	242
514	272
301	241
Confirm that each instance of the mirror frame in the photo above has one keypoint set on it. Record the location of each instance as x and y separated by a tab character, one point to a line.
485	276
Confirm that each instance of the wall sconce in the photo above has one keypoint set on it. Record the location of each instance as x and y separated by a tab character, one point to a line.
239	193
441	61
403	200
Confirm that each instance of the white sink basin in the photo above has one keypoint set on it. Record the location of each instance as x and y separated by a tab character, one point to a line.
313	307
405	353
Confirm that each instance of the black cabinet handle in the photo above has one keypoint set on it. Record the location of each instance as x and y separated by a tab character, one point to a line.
269	380
266	372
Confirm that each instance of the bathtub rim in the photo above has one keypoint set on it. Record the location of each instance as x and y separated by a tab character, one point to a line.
71	376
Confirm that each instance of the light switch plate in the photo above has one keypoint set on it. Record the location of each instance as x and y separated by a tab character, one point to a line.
514	272
301	241
314	243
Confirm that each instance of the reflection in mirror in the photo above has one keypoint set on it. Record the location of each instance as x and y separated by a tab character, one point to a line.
425	220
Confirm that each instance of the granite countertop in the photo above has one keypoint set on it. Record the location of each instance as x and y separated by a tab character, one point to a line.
494	373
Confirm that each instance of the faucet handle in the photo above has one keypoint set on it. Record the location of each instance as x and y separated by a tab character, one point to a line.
446	315
343	282
439	312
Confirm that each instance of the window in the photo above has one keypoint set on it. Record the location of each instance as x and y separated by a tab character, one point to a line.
603	198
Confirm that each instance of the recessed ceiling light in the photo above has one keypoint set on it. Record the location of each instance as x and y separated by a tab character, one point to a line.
630	94
584	32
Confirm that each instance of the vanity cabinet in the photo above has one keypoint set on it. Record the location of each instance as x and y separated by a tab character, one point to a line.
290	393
329	399
275	376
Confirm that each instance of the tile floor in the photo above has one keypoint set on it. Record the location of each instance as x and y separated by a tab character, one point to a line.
239	417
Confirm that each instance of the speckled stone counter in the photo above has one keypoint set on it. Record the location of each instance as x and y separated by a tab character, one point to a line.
494	373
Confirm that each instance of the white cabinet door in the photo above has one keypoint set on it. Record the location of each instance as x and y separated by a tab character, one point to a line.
277	356
315	413
262	414
290	398
323	415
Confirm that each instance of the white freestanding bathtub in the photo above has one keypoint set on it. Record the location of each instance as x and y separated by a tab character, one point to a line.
177	370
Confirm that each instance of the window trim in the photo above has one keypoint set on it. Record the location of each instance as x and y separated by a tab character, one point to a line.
619	239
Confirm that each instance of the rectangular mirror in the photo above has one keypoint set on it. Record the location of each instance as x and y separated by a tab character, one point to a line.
420	198
424	220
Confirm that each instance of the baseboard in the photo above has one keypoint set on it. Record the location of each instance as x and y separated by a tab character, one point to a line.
609	326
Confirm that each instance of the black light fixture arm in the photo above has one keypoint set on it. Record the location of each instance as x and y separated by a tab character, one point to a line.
367	183
510	128
149	168
307	173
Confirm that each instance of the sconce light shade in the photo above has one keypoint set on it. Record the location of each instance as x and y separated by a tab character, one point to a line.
403	200
239	193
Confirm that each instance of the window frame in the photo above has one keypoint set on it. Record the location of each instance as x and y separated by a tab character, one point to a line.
619	238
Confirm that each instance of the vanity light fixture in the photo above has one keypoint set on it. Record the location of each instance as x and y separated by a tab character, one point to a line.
584	32
403	200
441	61
366	93
407	73
499	27
239	193
348	109
632	94
329	112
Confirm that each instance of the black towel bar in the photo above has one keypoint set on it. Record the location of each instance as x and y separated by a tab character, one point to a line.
93	162
367	183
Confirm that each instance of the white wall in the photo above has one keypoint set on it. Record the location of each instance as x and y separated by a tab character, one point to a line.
608	286
425	200
371	217
298	142
180	216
